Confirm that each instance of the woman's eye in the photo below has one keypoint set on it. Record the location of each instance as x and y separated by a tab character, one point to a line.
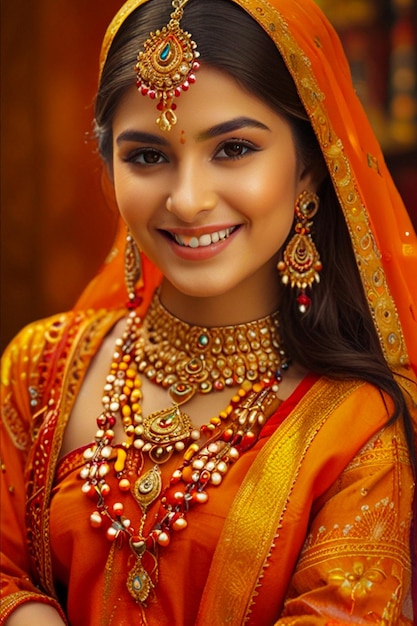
146	156
234	150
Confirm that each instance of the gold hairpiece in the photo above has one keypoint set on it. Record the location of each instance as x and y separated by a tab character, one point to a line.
166	65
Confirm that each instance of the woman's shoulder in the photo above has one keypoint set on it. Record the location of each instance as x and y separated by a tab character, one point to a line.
35	359
34	338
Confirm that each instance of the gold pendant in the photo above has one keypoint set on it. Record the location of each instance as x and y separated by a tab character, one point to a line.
139	583
147	488
163	429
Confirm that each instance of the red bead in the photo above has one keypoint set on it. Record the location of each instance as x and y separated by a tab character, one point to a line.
247	441
227	435
101	420
303	302
118	508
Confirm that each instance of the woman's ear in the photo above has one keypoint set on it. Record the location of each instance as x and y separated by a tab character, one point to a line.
313	174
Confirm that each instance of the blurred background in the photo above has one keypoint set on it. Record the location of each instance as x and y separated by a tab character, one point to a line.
56	225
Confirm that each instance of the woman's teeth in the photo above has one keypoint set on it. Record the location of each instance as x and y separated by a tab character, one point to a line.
204	240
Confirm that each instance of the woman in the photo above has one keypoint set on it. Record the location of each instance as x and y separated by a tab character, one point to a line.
251	457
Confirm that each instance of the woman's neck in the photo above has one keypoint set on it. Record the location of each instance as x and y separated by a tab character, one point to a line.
244	303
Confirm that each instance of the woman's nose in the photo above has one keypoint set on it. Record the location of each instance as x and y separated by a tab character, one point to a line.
191	194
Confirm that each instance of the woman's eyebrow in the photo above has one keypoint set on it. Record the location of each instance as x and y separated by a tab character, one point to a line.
139	136
231	125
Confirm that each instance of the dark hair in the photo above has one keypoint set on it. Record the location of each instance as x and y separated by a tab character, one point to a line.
337	336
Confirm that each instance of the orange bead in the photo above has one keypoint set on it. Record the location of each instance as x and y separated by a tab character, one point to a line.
124	484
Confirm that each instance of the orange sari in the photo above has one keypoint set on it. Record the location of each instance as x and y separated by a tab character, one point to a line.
312	526
309	527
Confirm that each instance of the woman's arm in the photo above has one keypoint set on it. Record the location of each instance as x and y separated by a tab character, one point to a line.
20	594
35	614
355	565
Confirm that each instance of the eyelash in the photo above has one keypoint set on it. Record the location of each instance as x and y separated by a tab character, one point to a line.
137	157
246	145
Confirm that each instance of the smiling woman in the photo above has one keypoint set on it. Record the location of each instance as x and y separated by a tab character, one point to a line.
235	180
223	429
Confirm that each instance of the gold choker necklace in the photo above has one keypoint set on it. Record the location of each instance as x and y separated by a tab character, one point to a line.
169	350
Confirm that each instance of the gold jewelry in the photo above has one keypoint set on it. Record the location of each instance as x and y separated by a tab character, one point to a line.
132	269
166	65
300	265
169	350
225	438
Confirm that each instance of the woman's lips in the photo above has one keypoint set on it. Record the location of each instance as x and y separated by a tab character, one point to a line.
198	247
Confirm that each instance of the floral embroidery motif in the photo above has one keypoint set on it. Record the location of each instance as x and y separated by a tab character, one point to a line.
357	583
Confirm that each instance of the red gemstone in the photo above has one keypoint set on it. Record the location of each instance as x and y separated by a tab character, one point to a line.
303	301
134	302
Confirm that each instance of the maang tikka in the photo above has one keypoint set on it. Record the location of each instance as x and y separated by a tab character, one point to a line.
300	264
166	65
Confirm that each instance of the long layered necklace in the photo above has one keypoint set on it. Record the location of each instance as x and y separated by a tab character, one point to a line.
185	360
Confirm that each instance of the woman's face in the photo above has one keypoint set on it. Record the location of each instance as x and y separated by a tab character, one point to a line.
211	201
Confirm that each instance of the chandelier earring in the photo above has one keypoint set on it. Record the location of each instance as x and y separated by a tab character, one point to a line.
300	264
133	270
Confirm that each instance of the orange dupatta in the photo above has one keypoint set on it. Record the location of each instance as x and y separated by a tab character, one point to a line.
382	235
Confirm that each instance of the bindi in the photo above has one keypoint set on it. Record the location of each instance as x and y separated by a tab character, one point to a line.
182	137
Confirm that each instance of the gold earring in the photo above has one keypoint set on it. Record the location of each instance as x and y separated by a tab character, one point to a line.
133	270
300	264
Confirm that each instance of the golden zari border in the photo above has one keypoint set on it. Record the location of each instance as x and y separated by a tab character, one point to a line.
256	514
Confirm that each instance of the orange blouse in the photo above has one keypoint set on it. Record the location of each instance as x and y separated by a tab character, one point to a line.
310	526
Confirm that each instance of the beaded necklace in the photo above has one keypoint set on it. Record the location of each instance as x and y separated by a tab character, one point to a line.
164	349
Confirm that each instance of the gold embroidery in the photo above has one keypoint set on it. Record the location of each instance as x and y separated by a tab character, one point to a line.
255	514
358	582
80	340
